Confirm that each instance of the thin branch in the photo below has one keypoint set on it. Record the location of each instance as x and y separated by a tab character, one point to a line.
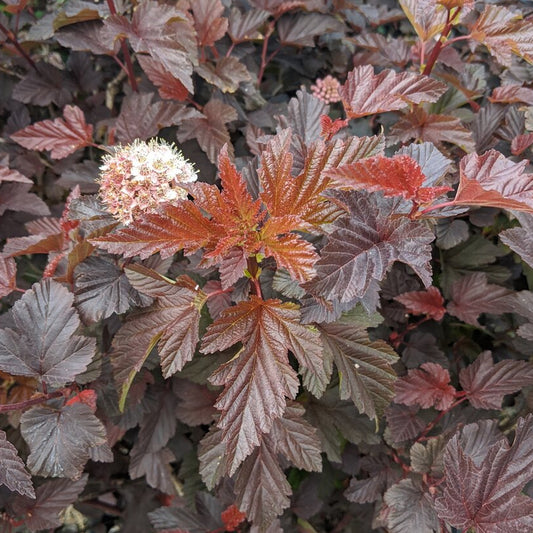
10	36
32	401
125	52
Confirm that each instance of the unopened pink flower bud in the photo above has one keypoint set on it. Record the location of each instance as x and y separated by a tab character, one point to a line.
140	176
327	89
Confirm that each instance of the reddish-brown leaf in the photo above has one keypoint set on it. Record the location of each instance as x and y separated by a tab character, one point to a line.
209	23
472	295
365	93
512	94
493	180
423	126
8	274
210	129
484	493
168	85
429	302
400	175
504	32
428	19
428	386
258	379
521	143
486	383
10	174
62	136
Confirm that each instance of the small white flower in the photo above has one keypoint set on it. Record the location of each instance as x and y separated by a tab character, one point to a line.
140	176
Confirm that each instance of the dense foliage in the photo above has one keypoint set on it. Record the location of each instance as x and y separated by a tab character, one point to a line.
313	313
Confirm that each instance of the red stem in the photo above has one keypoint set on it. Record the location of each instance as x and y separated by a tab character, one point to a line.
437	49
125	52
264	60
32	401
11	37
438	206
436	420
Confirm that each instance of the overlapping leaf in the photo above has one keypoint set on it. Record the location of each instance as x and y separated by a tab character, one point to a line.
410	508
364	366
169	86
209	128
60	439
51	499
427	387
434	128
400	175
259	378
486	383
503	32
296	439
427	18
171	323
485	493
472	295
8	274
12	472
365	93
363	246
43	344
430	302
493	180
209	23
161	30
62	136
520	240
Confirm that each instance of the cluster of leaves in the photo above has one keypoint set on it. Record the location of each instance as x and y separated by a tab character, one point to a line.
332	331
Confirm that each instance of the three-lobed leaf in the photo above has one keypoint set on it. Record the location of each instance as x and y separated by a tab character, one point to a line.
62	136
43	343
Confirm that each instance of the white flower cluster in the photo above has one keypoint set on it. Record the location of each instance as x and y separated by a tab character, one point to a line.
140	176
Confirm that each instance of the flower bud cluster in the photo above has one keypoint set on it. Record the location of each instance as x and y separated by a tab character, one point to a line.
140	176
327	89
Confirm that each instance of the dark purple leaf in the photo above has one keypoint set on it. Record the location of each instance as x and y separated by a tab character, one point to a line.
364	366
410	508
51	498
261	487
139	118
203	519
101	288
336	422
14	196
8	275
163	31
171	323
226	74
196	403
243	26
487	496
301	29
209	128
427	458
486	383
43	343
12	472
427	387
403	422
209	23
296	439
520	240
48	85
363	246
472	295
155	466
59	439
